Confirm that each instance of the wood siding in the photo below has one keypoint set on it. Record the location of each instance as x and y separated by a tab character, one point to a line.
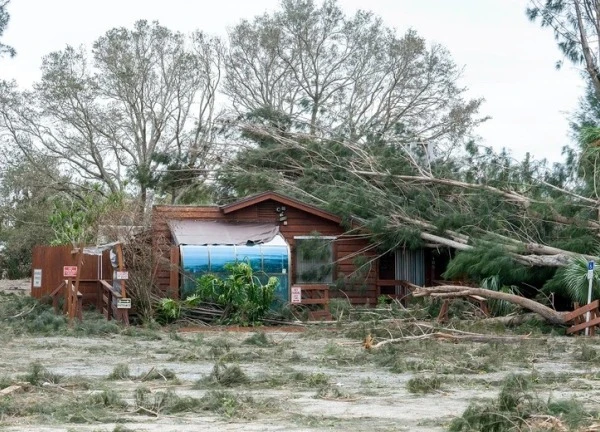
51	259
359	286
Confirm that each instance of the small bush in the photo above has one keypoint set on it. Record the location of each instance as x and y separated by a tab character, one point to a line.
516	408
163	402
317	379
588	354
244	298
155	374
332	391
120	372
107	398
424	384
5	382
258	339
225	376
38	375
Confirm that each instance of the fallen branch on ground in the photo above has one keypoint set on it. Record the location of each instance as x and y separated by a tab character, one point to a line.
473	337
453	291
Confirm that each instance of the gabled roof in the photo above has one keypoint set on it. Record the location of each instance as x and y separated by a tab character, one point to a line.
285	200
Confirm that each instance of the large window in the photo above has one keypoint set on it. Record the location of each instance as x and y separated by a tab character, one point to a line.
314	260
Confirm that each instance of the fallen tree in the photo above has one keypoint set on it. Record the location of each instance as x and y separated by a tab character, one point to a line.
454	291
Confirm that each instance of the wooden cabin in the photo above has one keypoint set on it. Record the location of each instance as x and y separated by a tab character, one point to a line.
317	249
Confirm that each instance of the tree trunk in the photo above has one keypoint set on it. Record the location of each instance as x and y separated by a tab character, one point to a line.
450	291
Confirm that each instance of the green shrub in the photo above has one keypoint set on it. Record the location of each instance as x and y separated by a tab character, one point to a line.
120	372
244	299
258	339
424	384
225	376
38	375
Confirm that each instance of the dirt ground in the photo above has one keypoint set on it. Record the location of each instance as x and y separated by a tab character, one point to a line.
317	379
22	286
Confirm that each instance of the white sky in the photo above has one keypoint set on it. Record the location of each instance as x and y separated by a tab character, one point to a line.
507	60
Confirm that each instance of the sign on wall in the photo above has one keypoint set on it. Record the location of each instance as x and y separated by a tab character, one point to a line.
70	271
37	278
122	275
296	294
124	303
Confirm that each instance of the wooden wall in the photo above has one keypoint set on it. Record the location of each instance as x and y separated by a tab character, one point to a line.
362	290
51	260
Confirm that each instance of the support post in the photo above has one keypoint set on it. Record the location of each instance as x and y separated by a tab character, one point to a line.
590	275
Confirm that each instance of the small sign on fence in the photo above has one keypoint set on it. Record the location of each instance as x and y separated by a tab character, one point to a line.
122	275
37	278
124	303
70	271
296	294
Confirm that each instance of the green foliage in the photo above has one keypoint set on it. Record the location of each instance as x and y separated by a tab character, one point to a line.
225	376
4	17
574	277
26	197
315	254
107	398
75	221
168	310
424	384
499	307
484	261
120	372
258	339
515	406
243	297
38	375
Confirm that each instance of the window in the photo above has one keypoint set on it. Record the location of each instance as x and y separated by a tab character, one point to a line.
314	259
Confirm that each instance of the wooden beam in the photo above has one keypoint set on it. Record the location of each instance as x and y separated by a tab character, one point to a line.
583	326
582	310
174	272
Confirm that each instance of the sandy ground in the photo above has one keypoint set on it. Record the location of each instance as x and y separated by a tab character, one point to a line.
22	286
376	398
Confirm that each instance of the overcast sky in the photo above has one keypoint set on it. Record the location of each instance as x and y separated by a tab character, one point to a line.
507	60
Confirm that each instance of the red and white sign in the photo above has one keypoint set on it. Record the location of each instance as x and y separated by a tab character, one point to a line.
70	271
296	294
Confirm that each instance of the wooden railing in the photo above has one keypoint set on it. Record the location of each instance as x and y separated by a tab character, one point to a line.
73	300
316	298
109	310
579	316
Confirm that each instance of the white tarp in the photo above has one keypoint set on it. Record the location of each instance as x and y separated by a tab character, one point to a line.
193	232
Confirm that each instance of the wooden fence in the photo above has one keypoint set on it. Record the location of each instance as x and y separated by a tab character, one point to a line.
579	315
50	260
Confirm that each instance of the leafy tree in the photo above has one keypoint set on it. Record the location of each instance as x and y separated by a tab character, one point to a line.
145	91
335	74
25	206
4	18
576	27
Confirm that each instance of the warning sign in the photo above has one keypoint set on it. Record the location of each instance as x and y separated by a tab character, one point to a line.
124	303
70	271
296	294
122	275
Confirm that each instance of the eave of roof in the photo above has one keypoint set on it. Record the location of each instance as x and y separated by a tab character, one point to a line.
288	201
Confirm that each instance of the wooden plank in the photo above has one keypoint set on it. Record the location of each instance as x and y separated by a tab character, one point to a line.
582	326
312	301
582	310
121	267
105	285
174	273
